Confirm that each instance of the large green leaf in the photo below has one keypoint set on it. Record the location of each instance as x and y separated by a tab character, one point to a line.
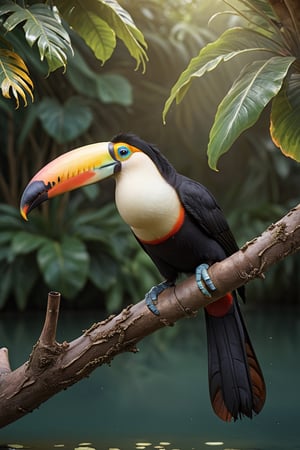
6	237
30	54
42	26
97	34
285	118
98	22
114	88
9	218
14	77
123	25
64	265
256	86
114	297
108	87
105	217
24	242
103	269
65	122
231	43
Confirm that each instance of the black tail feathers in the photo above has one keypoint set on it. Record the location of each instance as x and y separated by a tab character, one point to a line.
236	382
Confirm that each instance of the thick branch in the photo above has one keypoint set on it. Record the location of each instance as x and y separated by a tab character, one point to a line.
53	367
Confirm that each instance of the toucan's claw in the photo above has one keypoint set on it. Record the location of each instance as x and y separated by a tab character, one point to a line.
152	296
151	305
204	281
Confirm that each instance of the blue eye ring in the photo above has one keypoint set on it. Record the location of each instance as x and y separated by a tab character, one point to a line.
123	152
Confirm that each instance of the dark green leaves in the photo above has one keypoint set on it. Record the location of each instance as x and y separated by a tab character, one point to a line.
42	26
89	247
98	35
114	88
99	22
64	265
107	87
65	122
257	84
24	242
18	270
232	43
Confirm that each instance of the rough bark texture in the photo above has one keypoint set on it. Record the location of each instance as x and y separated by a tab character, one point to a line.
53	367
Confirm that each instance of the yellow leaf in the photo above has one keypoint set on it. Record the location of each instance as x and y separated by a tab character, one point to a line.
14	77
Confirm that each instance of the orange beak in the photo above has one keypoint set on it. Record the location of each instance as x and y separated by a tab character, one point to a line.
74	169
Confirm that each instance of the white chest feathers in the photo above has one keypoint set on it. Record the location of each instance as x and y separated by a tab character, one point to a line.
145	201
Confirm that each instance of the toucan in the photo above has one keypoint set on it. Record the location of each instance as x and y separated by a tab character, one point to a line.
178	223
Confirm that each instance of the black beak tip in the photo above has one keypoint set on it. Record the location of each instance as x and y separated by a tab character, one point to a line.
34	194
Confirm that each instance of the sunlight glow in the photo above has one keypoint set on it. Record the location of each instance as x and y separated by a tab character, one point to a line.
84	448
16	446
214	443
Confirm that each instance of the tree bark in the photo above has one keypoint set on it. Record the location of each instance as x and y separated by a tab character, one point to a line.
54	366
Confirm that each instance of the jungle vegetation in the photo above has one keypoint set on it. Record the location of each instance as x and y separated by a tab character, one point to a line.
69	86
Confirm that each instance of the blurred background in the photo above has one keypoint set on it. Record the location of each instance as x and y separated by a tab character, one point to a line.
161	394
255	184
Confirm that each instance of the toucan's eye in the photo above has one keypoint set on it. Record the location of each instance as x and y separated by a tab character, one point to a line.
123	152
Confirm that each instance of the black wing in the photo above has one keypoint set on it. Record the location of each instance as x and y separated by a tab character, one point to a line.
203	208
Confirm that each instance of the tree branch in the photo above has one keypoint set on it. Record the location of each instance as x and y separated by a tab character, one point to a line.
53	367
48	333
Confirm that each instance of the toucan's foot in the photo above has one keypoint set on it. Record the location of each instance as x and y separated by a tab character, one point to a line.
152	296
204	281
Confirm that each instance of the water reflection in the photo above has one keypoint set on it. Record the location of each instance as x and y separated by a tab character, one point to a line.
158	398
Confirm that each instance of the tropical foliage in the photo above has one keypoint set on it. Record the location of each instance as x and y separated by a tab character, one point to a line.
89	105
47	26
69	250
271	32
77	244
55	249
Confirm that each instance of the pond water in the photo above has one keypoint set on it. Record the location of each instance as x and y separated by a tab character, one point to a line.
158	398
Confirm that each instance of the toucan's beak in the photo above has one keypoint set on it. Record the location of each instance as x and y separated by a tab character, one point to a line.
77	168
